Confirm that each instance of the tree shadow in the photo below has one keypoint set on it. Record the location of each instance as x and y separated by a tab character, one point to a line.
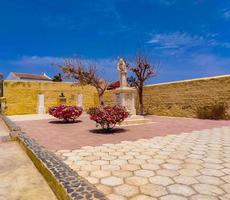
63	122
113	131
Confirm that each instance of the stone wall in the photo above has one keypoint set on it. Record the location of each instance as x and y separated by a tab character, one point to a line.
22	97
183	98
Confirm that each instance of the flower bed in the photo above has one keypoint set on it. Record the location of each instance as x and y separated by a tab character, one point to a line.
66	113
107	117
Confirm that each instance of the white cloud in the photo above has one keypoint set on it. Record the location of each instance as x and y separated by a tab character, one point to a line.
180	42
105	66
175	40
226	13
36	61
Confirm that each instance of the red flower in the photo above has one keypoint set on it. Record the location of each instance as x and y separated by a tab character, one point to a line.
108	116
66	113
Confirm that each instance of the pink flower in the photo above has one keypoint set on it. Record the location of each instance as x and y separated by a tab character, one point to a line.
66	113
108	116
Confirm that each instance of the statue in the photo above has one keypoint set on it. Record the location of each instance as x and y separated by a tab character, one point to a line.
121	66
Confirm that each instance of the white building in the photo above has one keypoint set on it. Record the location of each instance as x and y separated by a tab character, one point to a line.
28	77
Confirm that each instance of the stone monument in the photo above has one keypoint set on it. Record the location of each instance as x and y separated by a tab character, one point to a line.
125	96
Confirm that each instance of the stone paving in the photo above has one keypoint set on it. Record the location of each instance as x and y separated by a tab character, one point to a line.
56	135
19	178
194	166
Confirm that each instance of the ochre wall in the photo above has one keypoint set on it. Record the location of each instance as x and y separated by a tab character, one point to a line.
180	98
22	97
184	97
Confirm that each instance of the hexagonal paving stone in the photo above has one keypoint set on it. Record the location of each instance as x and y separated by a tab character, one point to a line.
187	180
209	180
153	190
115	197
172	197
189	172
100	173
192	166
118	162
136	180
155	161
226	187
130	167
104	189
226	171
112	181
143	197
83	173
174	161
194	161
211	172
181	189
226	178
203	197
92	180
150	166
171	166
144	173
122	173
100	162
161	180
110	167
137	161
225	197
90	167
212	165
126	190
208	189
167	172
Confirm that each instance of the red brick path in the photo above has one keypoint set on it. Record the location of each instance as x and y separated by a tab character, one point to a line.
57	136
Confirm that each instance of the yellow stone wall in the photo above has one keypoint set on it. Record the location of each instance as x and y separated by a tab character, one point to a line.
22	97
180	98
185	97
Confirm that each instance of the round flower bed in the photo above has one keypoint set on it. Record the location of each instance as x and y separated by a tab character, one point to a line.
107	117
66	113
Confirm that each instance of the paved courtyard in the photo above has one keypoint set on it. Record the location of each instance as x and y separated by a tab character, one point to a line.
194	166
55	135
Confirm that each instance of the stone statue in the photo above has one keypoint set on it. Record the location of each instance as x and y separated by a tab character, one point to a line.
121	66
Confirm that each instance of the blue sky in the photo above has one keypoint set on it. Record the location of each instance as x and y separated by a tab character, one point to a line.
189	38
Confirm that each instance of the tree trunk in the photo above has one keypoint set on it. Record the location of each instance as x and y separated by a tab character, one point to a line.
140	93
101	100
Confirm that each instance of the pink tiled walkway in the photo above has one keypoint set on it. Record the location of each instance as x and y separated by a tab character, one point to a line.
57	136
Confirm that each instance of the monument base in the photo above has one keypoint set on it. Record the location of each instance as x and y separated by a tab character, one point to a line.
136	120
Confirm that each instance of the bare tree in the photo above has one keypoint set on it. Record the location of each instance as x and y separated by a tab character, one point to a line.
141	71
74	68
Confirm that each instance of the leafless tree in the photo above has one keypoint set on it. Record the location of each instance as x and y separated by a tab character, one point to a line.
141	71
74	68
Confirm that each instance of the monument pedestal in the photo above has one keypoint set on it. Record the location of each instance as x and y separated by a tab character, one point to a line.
125	96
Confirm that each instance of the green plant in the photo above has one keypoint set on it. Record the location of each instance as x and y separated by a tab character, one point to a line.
216	111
